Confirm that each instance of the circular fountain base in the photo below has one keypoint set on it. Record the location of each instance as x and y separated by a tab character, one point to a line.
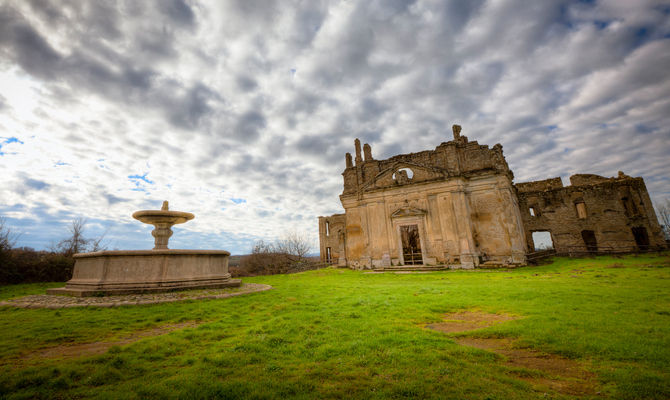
145	271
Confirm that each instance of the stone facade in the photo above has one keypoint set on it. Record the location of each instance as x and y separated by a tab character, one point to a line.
452	205
457	205
594	213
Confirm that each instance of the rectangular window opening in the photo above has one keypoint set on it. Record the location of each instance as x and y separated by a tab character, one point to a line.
531	210
328	256
581	210
327	228
542	241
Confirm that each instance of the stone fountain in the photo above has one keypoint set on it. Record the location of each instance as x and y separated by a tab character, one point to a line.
145	271
162	220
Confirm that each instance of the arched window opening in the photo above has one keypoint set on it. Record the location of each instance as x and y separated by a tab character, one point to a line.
403	175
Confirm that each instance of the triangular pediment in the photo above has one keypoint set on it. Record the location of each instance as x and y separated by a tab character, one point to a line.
408	212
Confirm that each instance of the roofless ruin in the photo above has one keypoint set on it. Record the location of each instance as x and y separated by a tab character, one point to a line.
457	205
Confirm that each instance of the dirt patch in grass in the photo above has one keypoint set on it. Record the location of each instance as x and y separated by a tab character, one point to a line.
468	321
556	373
69	351
546	372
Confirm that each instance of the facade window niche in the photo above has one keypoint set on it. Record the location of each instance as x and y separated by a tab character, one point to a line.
328	255
580	206
532	212
327	228
629	206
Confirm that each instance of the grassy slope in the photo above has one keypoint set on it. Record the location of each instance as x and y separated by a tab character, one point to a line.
343	334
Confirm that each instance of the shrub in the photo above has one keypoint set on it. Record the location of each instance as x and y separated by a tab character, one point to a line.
24	265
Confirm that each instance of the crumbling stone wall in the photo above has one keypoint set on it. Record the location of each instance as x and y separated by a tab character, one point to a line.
458	157
594	213
464	210
331	238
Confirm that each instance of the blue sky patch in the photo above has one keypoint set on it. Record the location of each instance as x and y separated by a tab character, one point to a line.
137	178
238	201
12	140
8	141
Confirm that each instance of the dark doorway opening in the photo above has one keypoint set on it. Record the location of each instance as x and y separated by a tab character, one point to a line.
590	241
411	244
641	238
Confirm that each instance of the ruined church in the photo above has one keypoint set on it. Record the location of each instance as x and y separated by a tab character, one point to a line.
457	205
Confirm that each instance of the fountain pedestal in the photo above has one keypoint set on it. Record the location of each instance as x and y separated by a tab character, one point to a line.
143	271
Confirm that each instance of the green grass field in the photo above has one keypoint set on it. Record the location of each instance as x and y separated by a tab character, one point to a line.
337	333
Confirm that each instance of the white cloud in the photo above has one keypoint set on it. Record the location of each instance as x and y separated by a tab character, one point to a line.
260	100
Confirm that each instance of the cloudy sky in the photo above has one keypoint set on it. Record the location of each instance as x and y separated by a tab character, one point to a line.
241	111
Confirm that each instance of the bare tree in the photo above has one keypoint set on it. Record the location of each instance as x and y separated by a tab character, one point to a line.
7	238
664	217
77	243
97	243
294	244
287	254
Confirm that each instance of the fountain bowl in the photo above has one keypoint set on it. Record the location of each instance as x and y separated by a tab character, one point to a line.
162	217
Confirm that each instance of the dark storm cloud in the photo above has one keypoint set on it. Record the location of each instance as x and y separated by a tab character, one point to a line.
371	109
249	126
255	11
246	83
30	50
191	107
35	184
111	199
110	73
27	185
315	144
177	10
47	10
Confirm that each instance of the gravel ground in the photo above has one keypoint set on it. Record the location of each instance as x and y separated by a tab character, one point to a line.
60	301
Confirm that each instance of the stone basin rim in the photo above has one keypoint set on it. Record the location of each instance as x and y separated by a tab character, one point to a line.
162	252
163	214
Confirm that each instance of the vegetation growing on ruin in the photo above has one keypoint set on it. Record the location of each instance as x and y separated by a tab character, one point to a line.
346	334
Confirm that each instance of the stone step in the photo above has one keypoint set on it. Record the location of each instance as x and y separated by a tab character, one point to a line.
410	268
